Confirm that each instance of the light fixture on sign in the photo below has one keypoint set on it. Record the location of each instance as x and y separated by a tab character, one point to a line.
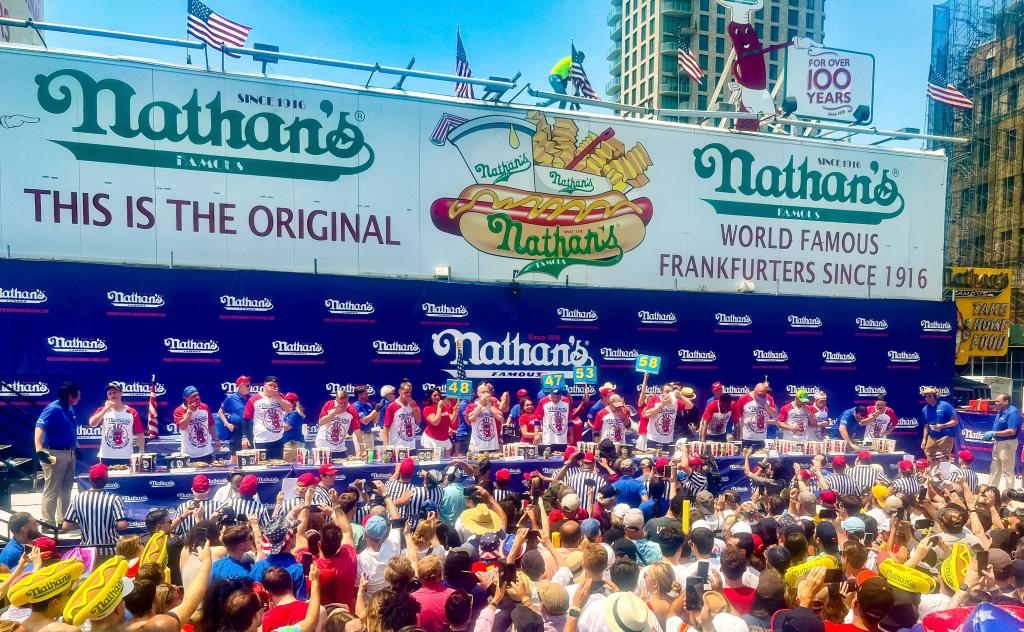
443	273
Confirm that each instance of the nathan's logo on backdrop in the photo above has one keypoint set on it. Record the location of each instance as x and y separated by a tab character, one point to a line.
907	422
770	356
736	390
733	320
20	296
545	192
246	304
161	483
904	357
444	311
177	345
334	387
656	318
134	299
616	353
61	344
383	347
110	106
23	389
509	357
283	348
335	306
797	190
793	388
870	324
869	391
936	326
430	386
803	322
230	388
576	315
835	357
697	357
140	389
943	390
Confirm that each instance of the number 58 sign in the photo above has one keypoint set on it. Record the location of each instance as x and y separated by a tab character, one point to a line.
648	364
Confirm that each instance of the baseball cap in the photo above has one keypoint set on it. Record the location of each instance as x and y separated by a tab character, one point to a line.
243	379
189	390
965	455
825	531
376	528
307	480
502	475
113	385
571	503
98	472
200	484
802	396
605	391
864	455
327	469
922	464
624	548
633	518
906	466
999	560
522	392
778	556
568	454
291	397
661	462
853	524
47	546
606	492
526	620
740	527
696	462
797	620
717	386
838	460
821	395
875	598
407	467
590	528
619	510
248	485
553	598
827	496
588	457
805	474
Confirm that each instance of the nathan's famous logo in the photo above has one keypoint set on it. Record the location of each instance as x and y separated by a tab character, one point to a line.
18	295
140	389
692	355
576	315
384	347
616	353
904	357
870	324
869	391
334	387
936	326
285	348
230	388
836	357
177	345
111	106
444	311
545	192
335	306
733	320
656	318
804	322
793	388
134	299
246	304
760	355
490	358
18	388
60	344
864	198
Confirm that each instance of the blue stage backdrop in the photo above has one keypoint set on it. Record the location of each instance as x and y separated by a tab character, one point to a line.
95	323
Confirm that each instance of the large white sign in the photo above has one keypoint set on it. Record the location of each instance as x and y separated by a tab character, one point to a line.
831	83
119	161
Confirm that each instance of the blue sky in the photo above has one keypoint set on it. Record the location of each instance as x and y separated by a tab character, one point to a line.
501	38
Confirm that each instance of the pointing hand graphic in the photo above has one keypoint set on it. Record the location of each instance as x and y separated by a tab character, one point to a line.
16	120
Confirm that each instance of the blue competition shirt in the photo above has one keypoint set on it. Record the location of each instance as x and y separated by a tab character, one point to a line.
58	426
228	567
846	419
233	407
12	553
286	561
629	491
596	408
515	411
940	413
364	409
464	428
1007	418
295	420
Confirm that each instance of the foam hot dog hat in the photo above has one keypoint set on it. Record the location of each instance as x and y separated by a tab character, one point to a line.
46	583
100	593
796	573
155	551
906	578
954	568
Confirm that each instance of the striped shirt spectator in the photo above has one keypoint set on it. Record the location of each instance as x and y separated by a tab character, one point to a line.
190	521
958	473
321	496
842	483
397	489
97	513
582	482
909	485
499	494
250	507
288	505
864	475
695	482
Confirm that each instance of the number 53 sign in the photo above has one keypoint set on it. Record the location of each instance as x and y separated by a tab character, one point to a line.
648	364
584	375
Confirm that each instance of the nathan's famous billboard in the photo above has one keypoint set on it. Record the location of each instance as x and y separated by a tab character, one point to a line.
117	161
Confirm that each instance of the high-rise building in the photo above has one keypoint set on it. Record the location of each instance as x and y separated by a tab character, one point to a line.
646	35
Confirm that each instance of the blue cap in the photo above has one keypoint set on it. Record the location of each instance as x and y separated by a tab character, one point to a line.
189	390
590	528
376	528
853	524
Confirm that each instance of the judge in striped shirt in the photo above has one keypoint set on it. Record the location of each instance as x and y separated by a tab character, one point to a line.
284	506
248	503
400	488
189	512
98	513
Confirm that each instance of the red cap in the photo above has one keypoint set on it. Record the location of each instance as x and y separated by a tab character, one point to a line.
528	475
502	475
200	484
407	467
248	485
827	496
47	547
864	455
717	386
588	457
965	455
804	474
906	466
605	391
98	472
662	462
327	469
696	461
838	460
243	379
568	454
522	392
307	480
922	464
758	544
291	397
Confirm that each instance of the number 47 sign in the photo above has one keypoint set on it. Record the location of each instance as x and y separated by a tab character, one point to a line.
648	364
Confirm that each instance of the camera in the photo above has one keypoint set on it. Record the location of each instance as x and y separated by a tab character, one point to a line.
1015	495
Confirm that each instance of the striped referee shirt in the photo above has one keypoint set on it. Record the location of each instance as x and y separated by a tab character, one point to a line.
97	513
696	482
287	506
421	495
581	482
321	496
188	522
905	484
396	489
842	484
864	475
958	473
250	506
499	494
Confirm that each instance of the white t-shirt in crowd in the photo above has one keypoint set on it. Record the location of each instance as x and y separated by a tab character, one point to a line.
372	564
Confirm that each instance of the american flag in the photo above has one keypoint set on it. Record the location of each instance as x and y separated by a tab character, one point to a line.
688	63
444	126
464	90
152	423
460	362
579	79
948	95
216	30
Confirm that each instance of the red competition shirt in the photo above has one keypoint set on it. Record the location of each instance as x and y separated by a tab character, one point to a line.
449	421
717	420
616	430
339	578
288	614
575	431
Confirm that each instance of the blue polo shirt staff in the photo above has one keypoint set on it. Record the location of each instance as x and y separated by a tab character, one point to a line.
1004	443
55	442
939	424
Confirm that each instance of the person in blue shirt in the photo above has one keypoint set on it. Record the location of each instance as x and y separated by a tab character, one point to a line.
629	490
849	422
237	564
55	442
24	529
230	423
939	424
280	541
368	414
657	504
294	438
606	391
460	442
1004	437
517	408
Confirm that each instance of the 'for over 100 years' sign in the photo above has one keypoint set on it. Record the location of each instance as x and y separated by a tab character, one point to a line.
119	161
831	83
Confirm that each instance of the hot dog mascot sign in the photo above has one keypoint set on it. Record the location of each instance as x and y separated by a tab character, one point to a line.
545	194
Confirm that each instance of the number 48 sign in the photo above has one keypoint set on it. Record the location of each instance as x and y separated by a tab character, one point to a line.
648	364
463	389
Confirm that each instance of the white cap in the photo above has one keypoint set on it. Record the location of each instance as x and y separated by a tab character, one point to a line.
697	524
725	622
740	527
570	503
740	10
619	510
386	390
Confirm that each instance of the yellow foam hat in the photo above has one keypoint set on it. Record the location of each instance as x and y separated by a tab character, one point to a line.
880	492
155	551
954	568
796	573
99	594
46	583
909	579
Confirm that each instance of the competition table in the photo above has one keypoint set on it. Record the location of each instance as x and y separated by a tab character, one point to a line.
141	492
